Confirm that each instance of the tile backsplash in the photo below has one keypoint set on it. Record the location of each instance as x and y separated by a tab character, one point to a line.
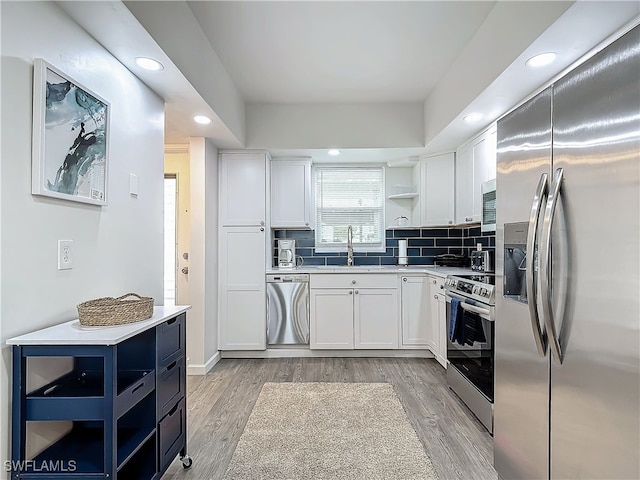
423	245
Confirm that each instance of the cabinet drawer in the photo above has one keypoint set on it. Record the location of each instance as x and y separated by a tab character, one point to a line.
353	280
172	434
135	392
170	385
170	340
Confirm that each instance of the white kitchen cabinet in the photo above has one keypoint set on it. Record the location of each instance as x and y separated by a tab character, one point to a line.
438	319
436	177
243	188
354	311
243	251
242	320
475	164
415	312
331	318
376	318
291	203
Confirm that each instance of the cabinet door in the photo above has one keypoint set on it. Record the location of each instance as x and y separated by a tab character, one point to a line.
438	194
441	320
242	320
331	318
438	319
475	164
243	178
464	184
415	312
291	193
376	318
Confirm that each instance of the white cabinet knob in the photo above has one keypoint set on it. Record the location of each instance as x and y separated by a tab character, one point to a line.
353	282
350	292
357	292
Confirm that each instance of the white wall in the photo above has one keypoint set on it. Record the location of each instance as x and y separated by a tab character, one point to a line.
117	248
383	125
202	331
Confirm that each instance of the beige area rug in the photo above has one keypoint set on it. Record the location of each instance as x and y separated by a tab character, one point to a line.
355	431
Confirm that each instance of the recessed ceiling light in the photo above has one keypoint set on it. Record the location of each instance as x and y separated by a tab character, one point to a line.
541	60
148	63
472	117
333	152
202	120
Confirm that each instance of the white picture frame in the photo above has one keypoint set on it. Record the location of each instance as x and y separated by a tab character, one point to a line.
70	138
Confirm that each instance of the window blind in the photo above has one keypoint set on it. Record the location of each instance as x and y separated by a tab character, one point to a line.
349	196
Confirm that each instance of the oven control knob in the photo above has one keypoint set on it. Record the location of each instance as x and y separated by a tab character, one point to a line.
476	290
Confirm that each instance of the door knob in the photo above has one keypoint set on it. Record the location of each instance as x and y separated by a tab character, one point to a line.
185	270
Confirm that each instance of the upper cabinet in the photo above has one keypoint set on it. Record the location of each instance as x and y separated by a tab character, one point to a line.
475	164
436	177
291	203
243	187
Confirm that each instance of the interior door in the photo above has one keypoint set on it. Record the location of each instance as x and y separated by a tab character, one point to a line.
176	166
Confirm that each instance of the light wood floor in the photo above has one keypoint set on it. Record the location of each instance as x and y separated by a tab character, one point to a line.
220	402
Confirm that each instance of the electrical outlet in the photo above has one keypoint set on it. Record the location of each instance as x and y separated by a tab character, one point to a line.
65	254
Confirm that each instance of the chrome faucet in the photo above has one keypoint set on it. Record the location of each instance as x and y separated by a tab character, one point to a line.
350	246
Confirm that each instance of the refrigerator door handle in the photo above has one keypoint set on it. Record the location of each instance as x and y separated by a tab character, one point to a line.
538	200
545	267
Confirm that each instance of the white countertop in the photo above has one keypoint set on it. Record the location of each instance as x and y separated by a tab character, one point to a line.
72	333
423	269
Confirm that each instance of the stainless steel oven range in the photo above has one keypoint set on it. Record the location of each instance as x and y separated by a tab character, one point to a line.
470	337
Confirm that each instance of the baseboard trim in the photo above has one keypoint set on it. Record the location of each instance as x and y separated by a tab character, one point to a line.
199	369
307	353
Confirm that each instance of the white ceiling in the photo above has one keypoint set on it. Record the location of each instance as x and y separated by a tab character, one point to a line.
305	52
309	52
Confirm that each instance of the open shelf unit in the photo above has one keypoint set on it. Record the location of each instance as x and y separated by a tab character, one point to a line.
106	406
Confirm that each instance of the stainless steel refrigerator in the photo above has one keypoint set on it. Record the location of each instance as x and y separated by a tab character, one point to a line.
567	333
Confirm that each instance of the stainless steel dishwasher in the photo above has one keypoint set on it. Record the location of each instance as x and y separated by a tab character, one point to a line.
288	309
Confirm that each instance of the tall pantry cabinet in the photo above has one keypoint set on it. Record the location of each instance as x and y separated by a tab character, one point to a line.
244	238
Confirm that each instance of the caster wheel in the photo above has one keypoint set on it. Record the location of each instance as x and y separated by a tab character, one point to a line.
186	461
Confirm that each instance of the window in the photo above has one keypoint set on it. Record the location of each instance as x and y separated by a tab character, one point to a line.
349	196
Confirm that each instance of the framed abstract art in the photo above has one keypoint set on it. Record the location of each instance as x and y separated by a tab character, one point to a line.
70	138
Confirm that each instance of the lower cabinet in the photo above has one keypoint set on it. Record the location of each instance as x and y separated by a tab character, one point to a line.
416	311
242	323
331	319
376	318
438	320
354	311
119	412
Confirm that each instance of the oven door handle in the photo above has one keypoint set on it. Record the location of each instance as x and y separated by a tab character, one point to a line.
483	312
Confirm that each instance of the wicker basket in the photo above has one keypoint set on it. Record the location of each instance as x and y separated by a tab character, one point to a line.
108	311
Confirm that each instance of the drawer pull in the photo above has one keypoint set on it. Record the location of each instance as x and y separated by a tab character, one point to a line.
49	390
172	321
173	410
172	365
137	388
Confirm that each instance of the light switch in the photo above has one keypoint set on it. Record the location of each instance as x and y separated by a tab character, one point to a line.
133	184
65	254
